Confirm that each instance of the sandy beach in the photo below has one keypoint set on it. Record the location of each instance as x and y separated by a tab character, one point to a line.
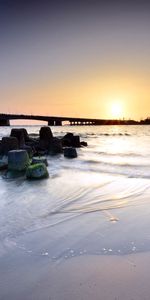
87	277
83	233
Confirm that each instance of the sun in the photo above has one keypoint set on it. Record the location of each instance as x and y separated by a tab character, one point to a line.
116	110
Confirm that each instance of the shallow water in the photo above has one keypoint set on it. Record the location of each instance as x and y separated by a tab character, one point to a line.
98	203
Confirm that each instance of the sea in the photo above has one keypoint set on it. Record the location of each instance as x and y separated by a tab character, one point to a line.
95	204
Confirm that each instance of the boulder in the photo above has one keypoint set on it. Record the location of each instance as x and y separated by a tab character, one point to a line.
70	140
42	145
84	144
76	141
68	135
45	133
0	145
19	134
28	149
67	140
13	174
70	152
3	163
55	147
9	143
45	138
18	160
26	135
33	143
3	166
39	152
37	160
1	152
37	171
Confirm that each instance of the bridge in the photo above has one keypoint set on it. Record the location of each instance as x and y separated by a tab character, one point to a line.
58	121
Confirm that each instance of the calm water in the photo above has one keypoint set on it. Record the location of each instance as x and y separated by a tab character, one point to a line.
98	203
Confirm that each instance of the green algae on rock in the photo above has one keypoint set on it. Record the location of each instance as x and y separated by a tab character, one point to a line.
37	171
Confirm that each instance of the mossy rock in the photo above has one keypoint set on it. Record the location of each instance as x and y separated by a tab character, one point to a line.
37	171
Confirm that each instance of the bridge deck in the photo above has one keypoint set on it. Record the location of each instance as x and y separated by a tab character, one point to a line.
57	121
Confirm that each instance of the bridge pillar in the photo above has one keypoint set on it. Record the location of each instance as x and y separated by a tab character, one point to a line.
58	123
50	123
4	122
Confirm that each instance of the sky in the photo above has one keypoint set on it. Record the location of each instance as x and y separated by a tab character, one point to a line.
75	58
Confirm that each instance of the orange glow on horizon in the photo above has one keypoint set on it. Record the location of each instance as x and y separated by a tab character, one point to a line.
116	110
99	97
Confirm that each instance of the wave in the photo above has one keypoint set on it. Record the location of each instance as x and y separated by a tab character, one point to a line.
130	171
107	134
119	154
115	164
98	198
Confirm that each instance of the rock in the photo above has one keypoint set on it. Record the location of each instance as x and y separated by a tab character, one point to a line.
34	145
45	138
45	133
76	141
70	140
37	171
3	166
8	143
28	149
55	146
39	152
18	160
12	174
84	144
19	134
1	148
36	160
42	145
3	163
67	140
70	152
68	135
26	135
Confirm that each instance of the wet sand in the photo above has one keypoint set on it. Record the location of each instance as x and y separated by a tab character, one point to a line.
84	232
83	277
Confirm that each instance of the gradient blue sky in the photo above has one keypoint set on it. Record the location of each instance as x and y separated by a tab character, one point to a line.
75	58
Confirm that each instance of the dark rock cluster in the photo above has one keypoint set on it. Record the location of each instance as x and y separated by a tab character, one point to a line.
21	152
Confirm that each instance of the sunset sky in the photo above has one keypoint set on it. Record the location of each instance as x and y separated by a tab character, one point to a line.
75	58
